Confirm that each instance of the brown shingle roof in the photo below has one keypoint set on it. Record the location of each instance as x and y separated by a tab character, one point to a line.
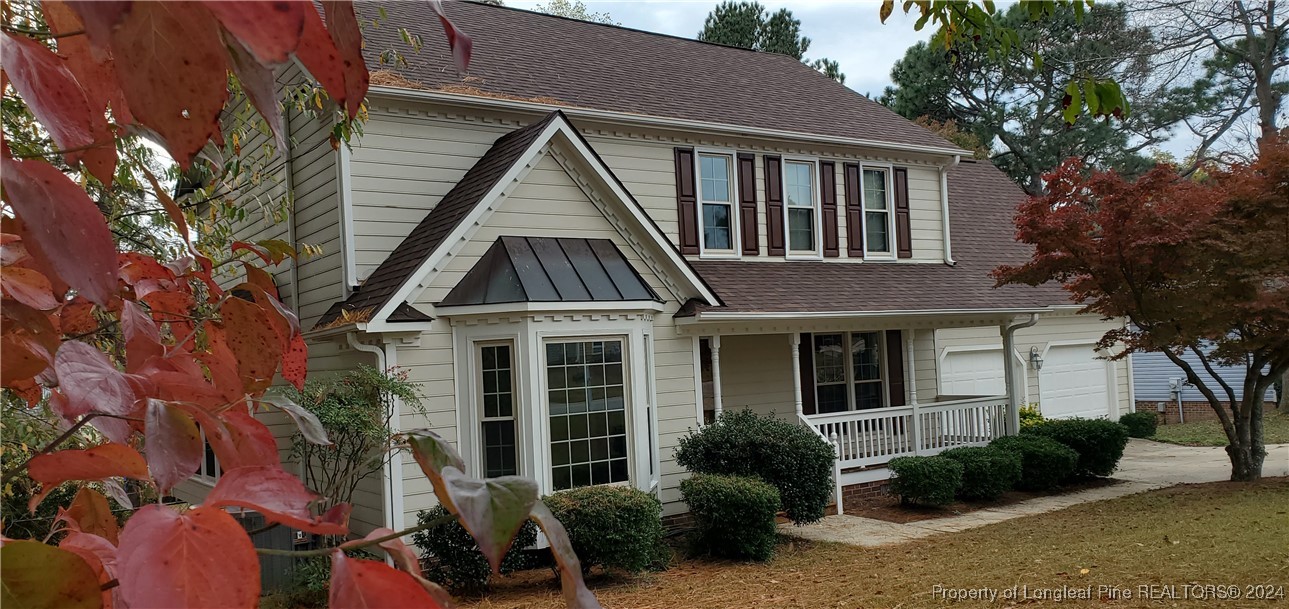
549	59
380	286
982	204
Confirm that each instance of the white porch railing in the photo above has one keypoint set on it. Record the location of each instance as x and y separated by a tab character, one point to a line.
873	437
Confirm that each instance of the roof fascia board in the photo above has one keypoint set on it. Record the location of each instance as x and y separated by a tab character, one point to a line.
412	286
645	120
715	316
552	307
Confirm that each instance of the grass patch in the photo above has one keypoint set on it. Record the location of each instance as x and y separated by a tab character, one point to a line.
1275	430
1219	533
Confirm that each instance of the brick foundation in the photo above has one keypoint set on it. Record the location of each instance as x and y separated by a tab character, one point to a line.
864	490
1191	411
676	522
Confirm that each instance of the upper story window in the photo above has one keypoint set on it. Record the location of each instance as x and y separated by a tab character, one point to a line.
799	196
877	211
716	196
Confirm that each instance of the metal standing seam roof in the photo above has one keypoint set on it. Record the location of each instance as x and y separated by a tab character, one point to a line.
549	269
542	58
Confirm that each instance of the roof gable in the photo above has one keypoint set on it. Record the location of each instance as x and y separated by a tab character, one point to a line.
533	57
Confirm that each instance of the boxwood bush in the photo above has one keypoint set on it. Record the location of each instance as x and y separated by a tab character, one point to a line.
929	481
615	527
733	515
788	456
987	472
455	559
1099	442
1140	424
1045	463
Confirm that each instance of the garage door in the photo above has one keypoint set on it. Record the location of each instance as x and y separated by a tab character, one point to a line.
972	373
1073	383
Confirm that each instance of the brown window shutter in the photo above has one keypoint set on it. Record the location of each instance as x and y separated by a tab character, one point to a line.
807	349
903	231
774	205
854	212
895	367
686	201
748	226
828	190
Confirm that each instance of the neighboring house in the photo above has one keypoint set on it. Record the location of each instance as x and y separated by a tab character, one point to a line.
1160	386
601	237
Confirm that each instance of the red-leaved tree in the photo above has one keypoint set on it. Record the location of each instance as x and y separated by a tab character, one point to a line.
154	354
1199	267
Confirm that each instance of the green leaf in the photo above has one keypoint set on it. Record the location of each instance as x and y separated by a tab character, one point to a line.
1038	62
1073	102
1092	92
885	11
37	576
576	596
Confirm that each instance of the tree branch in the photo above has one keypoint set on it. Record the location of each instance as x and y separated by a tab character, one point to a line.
71	431
361	543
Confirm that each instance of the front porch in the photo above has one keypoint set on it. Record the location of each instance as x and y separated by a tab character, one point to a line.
870	387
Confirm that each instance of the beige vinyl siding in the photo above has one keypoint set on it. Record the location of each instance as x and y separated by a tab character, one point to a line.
317	216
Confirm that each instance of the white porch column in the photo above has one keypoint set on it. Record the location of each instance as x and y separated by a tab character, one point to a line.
716	375
794	342
911	383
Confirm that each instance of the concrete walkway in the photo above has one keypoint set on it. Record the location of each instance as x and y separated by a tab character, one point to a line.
1145	466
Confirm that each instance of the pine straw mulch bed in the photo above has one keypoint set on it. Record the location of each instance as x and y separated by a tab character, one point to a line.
888	508
1220	533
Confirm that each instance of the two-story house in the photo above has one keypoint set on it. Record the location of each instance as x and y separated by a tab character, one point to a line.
600	238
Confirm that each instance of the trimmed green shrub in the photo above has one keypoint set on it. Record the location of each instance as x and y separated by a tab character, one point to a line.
987	472
790	457
456	561
1140	424
615	527
925	480
733	515
1099	442
1045	463
1030	416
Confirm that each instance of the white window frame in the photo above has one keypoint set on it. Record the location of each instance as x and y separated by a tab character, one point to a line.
736	244
847	341
543	408
815	207
889	171
201	475
516	401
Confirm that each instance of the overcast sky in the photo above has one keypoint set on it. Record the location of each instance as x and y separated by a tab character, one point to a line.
846	31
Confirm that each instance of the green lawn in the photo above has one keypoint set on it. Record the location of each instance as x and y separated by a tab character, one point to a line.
1220	534
1275	430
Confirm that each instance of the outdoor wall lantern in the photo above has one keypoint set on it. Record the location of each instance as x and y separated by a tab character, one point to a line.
1035	358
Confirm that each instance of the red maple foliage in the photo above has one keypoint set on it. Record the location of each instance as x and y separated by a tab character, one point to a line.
1195	266
156	354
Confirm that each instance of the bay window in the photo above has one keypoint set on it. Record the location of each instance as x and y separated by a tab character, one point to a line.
716	200
497	403
587	412
799	197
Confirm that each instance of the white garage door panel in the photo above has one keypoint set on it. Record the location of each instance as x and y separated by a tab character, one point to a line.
1074	383
971	373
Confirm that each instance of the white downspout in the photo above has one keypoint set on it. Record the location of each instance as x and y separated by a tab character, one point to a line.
944	207
1009	372
395	465
388	473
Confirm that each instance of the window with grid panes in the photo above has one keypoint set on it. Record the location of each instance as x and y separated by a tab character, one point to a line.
497	405
587	409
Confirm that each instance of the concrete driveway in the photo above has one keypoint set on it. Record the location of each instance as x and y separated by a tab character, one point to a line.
1145	466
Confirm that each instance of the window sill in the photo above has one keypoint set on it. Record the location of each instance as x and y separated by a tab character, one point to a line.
804	256
719	255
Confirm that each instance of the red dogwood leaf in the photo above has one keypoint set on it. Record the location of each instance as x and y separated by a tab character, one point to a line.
268	29
276	494
319	55
173	72
95	73
238	439
403	556
174	444
255	344
343	26
295	363
28	286
77	317
51	93
142	337
99	554
55	211
39	576
258	82
97	463
576	595
461	45
368	584
90	382
201	558
492	510
92	514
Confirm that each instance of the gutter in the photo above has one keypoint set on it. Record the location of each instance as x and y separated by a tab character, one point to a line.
644	120
944	207
392	482
710	316
1009	372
